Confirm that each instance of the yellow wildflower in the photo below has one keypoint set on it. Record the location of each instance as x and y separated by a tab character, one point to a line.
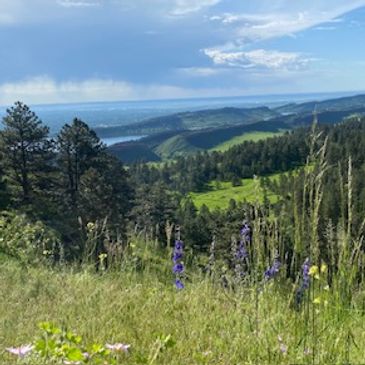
313	270
317	300
323	268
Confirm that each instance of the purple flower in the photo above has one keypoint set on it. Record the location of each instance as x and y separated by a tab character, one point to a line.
246	232
177	256
305	282
241	251
272	271
179	245
306	277
179	285
178	268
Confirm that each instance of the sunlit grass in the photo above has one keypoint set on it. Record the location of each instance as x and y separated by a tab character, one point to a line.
208	324
250	136
221	193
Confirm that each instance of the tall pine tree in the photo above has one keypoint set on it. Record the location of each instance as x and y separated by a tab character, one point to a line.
26	155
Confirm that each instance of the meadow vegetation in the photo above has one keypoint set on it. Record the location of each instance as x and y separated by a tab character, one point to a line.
250	136
219	194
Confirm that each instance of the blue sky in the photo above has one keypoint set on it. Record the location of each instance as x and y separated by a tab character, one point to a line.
56	51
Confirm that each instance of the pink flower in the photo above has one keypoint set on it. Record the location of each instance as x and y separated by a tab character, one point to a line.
118	347
283	348
307	352
20	351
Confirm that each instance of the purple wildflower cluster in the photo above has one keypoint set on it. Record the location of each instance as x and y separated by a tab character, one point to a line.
273	270
305	281
246	233
178	268
241	252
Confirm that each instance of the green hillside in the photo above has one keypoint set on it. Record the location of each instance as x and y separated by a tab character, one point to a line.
133	152
250	136
174	147
172	144
222	192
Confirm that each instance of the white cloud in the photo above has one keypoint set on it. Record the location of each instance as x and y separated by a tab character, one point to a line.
184	7
78	4
44	90
282	18
258	58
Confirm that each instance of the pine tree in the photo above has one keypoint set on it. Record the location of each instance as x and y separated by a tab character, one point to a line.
26	155
78	150
93	185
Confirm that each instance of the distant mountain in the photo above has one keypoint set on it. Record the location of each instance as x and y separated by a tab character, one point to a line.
212	118
324	117
348	102
189	132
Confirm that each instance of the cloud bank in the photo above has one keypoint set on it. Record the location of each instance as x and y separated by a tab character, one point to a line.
45	90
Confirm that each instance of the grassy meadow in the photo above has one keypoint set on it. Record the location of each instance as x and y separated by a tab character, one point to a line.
249	136
220	193
202	324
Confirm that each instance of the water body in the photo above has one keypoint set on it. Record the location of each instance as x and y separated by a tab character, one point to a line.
128	112
114	140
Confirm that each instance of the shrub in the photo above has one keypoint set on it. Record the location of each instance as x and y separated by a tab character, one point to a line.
27	241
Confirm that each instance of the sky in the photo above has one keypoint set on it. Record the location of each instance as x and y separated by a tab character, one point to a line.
61	51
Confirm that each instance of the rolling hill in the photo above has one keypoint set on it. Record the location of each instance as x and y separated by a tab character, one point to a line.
169	145
186	133
344	103
212	118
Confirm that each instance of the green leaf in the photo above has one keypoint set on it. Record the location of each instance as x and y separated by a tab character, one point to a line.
75	354
74	338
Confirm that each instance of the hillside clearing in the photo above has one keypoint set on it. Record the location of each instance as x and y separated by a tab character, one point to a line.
222	192
250	136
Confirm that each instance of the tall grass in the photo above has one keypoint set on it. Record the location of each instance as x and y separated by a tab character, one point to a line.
208	324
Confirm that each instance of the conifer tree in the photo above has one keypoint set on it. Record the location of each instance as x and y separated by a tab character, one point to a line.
26	155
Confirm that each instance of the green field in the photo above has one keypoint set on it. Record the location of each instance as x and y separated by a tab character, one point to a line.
250	136
222	192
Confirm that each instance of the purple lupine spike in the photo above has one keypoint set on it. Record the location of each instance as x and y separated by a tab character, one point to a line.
179	245
246	232
272	271
178	267
177	256
240	251
306	277
305	281
179	285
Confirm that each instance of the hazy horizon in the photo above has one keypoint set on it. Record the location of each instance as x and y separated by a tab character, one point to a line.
113	113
